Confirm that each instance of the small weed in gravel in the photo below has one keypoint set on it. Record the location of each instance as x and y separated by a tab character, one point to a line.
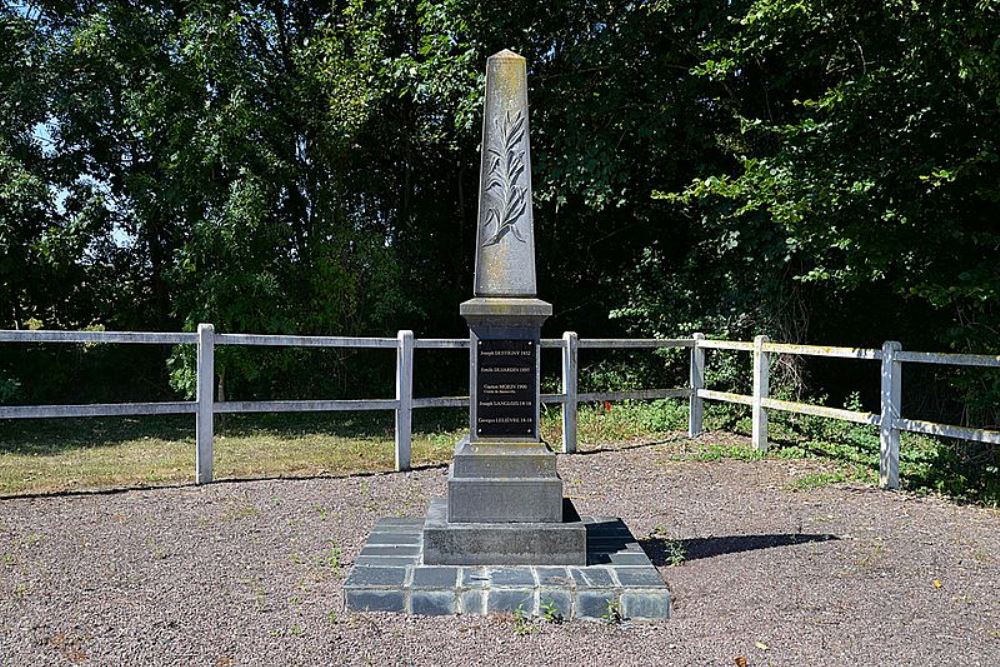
675	551
331	558
550	612
522	622
613	615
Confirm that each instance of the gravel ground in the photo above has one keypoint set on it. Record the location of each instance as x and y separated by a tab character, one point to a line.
251	573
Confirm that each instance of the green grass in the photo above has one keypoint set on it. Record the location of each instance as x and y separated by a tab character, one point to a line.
45	456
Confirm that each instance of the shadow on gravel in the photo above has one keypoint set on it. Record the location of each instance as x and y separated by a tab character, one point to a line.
221	481
619	447
669	552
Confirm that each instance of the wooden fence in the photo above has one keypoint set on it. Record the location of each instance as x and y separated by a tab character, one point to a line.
889	420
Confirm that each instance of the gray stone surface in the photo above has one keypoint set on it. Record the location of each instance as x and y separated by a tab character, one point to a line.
452	543
505	500
433	603
374	600
557	602
390	550
554	576
474	602
505	249
394	538
493	312
594	604
517	577
570	592
503	460
592	577
365	577
652	604
509	600
435	577
387	560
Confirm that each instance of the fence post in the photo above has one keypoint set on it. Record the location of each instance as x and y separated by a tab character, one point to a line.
696	405
761	382
404	394
569	390
205	418
892	395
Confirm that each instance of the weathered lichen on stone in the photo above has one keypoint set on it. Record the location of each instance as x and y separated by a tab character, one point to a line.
506	165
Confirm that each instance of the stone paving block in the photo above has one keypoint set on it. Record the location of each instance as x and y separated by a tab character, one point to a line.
639	577
508	600
372	600
512	576
432	603
611	546
474	602
604	526
385	550
561	599
593	604
394	538
475	577
370	577
399	526
554	576
592	577
412	521
630	558
386	561
435	576
646	605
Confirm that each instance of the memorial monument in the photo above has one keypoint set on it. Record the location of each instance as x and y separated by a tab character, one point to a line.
504	537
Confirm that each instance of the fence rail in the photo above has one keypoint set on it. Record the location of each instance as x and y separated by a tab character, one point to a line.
889	420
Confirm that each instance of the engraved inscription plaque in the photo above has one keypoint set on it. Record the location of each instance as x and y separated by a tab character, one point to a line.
505	388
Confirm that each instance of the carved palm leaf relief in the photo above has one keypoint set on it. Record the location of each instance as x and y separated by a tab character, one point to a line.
506	166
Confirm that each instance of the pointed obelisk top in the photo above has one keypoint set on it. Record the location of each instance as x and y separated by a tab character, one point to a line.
505	245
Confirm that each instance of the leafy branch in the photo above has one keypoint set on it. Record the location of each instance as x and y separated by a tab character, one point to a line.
506	167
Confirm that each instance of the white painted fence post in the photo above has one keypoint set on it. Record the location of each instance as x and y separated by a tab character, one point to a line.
205	417
761	388
404	394
892	395
696	405
569	390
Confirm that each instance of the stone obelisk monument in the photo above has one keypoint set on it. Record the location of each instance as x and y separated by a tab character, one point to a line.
505	502
504	540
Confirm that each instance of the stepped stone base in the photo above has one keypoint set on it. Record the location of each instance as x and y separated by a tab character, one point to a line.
618	578
526	543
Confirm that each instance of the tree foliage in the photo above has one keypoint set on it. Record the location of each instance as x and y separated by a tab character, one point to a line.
818	171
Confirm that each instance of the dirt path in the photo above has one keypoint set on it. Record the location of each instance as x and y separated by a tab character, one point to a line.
250	573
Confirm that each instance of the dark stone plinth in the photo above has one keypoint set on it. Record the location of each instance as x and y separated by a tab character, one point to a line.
386	583
504	482
525	543
505	500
